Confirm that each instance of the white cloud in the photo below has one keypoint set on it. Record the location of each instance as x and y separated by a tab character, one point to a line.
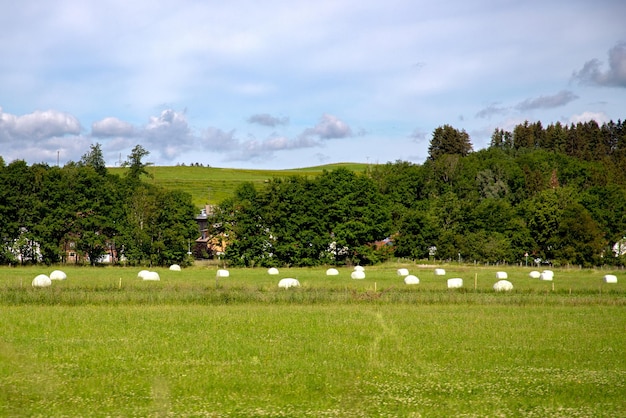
599	117
330	127
37	125
112	127
169	133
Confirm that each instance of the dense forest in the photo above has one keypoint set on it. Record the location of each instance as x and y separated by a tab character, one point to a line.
536	195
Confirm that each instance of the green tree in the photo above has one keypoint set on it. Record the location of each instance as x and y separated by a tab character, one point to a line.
136	165
580	240
95	159
175	227
448	140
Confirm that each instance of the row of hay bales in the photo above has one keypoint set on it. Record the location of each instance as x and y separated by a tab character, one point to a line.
358	273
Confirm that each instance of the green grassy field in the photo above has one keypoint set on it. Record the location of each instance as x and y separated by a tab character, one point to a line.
211	185
104	343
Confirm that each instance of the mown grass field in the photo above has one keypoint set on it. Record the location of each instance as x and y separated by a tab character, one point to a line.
211	185
104	343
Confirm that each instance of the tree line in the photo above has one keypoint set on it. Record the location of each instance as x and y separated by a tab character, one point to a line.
555	195
49	213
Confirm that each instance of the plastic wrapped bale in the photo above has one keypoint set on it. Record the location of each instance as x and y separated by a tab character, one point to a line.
175	267
357	274
42	280
440	272
534	274
501	275
222	273
547	275
142	273
288	282
332	272
58	275
503	286
610	278
359	268
272	271
403	272
455	283
411	279
152	276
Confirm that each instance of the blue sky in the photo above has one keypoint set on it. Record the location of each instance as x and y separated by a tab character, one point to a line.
283	84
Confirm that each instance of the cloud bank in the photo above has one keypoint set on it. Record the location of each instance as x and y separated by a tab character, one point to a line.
614	76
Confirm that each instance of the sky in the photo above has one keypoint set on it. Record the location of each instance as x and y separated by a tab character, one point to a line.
280	84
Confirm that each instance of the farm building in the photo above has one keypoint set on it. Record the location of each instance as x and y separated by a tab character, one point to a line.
208	244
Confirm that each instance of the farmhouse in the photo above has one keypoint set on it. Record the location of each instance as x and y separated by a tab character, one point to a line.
208	244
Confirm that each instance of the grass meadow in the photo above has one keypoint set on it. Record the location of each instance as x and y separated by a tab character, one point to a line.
211	185
105	343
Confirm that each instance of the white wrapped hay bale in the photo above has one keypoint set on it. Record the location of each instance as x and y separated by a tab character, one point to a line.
501	275
273	271
503	286
440	272
610	278
547	275
411	279
142	273
455	283
534	274
359	268
358	274
332	272
288	282
58	275
175	267
151	276
403	272
222	273
42	280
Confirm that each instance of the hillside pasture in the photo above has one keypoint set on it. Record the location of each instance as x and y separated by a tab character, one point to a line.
106	343
211	185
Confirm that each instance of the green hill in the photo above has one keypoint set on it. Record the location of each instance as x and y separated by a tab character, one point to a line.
211	185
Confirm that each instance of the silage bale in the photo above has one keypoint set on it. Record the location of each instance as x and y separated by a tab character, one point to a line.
42	280
58	275
455	283
358	274
411	279
501	275
288	282
175	267
332	272
534	274
142	273
273	271
547	275
359	268
222	273
503	286
403	272
610	278
152	276
440	272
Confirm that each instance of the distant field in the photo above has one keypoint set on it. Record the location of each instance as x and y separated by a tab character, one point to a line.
104	343
210	185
